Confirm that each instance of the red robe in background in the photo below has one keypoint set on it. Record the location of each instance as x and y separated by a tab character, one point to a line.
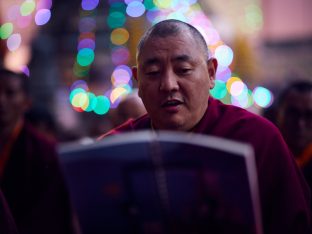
34	187
7	224
284	194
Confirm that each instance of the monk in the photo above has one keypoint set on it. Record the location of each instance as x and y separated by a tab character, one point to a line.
31	179
174	74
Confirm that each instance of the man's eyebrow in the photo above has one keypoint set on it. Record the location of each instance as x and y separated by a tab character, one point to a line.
182	58
151	61
178	58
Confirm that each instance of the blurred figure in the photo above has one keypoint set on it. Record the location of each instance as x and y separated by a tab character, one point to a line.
42	119
30	176
294	119
7	224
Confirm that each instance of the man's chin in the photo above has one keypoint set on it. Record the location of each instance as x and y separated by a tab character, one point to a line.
173	126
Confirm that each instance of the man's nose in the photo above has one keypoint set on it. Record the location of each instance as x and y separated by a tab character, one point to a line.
169	82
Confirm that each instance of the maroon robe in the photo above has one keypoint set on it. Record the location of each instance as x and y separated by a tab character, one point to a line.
34	187
7	223
284	194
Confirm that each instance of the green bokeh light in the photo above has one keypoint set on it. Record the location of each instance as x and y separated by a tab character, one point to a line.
219	91
80	100
118	7
253	16
226	99
163	3
74	92
81	71
262	96
92	102
149	4
116	20
102	105
6	30
27	7
85	57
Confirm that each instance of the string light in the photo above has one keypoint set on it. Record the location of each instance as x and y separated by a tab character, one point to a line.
228	88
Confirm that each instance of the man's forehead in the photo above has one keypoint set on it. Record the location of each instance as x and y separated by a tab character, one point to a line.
169	52
154	59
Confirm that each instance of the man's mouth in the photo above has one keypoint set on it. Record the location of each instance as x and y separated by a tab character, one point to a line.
171	103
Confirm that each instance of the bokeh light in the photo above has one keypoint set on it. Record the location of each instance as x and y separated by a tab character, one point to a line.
14	42
102	105
237	88
81	71
116	20
211	35
79	84
120	55
223	74
228	88
178	15
231	81
87	24
25	70
6	30
86	43
44	4
219	91
129	1
126	68
118	93
74	92
27	7
91	103
85	57
149	4
89	5
119	36
118	7
162	4
42	17
152	15
224	55
262	97
135	9
253	17
120	76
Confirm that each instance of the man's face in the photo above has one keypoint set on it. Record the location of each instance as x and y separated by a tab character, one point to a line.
295	120
13	101
174	78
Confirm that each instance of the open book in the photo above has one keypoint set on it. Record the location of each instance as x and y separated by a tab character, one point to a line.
164	182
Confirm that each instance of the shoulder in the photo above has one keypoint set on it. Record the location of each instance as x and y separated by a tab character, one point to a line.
36	138
140	123
36	145
233	120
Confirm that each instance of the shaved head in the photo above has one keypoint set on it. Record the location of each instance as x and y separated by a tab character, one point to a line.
173	28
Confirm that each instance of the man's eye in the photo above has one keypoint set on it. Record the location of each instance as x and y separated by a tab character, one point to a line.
184	71
152	73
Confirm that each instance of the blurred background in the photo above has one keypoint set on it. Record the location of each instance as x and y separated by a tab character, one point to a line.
78	53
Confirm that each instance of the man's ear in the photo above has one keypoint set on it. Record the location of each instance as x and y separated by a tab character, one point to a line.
135	73
212	64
